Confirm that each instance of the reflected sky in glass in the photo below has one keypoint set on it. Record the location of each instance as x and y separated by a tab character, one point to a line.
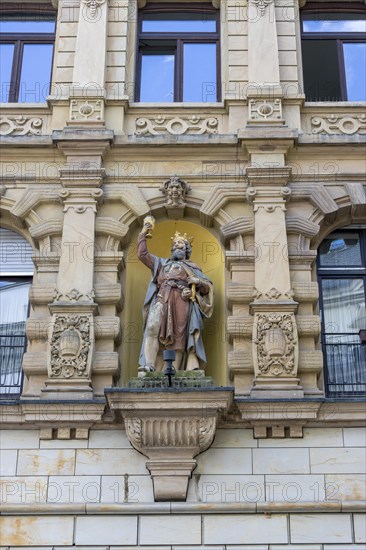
343	305
199	72
157	77
27	26
334	26
6	62
355	63
179	22
36	73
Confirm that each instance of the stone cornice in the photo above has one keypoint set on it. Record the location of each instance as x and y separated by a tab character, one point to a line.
167	508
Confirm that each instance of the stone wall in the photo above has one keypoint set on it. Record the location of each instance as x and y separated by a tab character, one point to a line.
249	493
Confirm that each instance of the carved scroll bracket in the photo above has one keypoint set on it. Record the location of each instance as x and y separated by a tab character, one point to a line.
170	429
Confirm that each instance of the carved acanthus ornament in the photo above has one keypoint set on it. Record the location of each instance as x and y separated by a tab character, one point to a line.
176	126
70	345
92	6
261	5
338	124
20	126
275	336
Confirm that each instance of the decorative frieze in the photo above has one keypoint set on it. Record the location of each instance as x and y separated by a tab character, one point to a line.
21	125
73	296
176	126
338	124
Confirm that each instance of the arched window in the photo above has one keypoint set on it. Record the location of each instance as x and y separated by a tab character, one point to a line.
342	282
15	279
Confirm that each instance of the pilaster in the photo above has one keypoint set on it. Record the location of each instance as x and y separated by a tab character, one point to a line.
275	338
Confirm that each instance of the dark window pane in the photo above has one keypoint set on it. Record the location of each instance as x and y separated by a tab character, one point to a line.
199	72
321	72
355	63
36	73
24	26
157	77
179	22
343	308
6	62
340	250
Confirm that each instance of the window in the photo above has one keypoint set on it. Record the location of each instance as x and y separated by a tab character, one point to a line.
178	54
342	278
15	279
26	51
334	54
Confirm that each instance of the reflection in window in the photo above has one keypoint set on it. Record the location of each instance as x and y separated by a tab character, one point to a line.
342	278
26	44
178	54
13	315
334	56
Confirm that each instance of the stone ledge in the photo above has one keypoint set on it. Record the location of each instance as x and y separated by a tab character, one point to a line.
169	508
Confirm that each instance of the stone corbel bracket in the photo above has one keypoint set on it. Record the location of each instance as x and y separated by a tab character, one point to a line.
170	428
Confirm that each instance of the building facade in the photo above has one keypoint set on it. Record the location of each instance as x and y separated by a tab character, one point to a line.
241	123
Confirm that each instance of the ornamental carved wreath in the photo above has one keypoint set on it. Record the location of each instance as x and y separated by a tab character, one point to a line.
276	338
70	346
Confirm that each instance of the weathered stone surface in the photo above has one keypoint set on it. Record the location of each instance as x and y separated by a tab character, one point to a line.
281	461
334	528
46	462
105	462
234	529
170	530
338	461
106	530
36	530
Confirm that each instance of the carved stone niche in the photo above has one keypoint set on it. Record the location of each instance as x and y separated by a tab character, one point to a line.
170	428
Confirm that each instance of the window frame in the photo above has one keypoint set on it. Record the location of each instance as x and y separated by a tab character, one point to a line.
339	38
340	272
21	39
180	39
14	395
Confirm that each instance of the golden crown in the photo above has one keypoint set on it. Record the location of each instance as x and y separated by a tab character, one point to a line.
179	237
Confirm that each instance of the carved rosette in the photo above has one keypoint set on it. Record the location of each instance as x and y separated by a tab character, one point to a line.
70	346
275	339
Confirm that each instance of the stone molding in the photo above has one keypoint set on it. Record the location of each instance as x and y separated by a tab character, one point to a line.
130	195
218	197
170	428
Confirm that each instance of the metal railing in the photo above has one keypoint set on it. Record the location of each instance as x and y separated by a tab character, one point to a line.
345	373
12	348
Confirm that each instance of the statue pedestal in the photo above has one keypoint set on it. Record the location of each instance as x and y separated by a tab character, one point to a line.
170	427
